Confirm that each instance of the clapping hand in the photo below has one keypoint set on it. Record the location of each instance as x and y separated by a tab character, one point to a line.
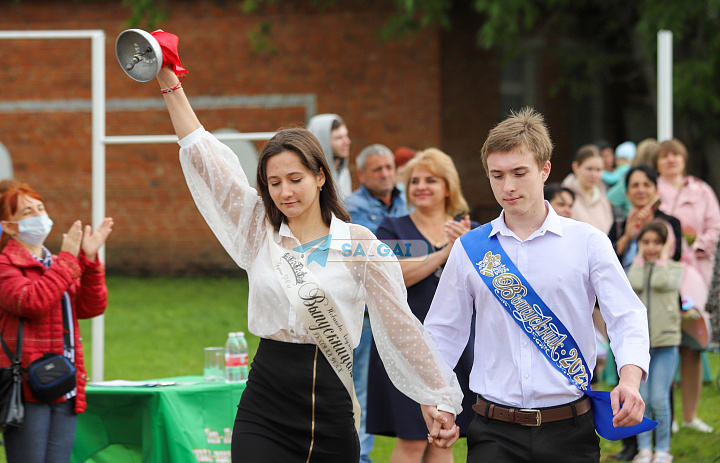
93	240
72	239
454	229
636	220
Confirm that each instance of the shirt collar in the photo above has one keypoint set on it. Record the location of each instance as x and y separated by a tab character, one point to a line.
339	231
551	224
46	259
393	196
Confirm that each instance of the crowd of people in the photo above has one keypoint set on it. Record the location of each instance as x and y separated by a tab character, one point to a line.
643	198
435	356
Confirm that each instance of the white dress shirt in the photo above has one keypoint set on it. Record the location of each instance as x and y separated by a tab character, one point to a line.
569	264
236	214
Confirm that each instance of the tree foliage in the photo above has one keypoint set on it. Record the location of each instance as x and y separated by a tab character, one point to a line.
610	41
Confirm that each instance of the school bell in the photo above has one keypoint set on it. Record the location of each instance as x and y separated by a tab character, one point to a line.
139	54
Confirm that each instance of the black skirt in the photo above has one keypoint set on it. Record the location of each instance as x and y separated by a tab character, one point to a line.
294	409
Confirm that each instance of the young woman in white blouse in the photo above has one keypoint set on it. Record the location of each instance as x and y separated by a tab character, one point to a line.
297	405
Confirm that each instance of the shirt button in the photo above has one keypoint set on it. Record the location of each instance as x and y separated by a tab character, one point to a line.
525	343
522	244
292	331
526	376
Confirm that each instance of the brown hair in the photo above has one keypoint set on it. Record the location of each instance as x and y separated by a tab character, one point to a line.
655	226
440	165
337	123
9	202
523	129
675	146
303	143
586	152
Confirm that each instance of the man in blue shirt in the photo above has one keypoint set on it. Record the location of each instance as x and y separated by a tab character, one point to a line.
376	199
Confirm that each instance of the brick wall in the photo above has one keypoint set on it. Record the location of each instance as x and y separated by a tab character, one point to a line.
387	92
432	89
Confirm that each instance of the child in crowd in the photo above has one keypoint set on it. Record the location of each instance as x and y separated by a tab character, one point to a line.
656	280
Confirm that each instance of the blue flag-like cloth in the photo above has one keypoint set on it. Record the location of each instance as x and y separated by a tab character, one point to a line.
320	253
541	325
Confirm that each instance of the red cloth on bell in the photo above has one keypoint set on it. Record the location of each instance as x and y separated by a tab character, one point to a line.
169	46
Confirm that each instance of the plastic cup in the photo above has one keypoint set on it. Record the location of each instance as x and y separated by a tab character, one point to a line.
214	366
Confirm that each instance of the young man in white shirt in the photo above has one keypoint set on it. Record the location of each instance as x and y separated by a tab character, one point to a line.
569	264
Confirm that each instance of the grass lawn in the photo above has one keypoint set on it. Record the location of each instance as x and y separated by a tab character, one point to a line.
158	327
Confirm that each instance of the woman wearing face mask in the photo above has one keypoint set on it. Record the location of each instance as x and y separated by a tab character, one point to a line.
591	205
42	289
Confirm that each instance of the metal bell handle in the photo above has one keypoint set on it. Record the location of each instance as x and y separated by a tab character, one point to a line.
138	54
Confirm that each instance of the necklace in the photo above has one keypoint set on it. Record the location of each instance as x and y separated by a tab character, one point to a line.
433	241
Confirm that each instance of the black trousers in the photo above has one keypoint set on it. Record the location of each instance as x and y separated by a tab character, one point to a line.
566	441
294	409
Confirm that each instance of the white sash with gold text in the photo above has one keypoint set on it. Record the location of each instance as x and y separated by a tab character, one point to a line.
316	311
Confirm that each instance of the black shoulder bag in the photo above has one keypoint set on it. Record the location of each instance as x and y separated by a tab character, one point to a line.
52	375
12	409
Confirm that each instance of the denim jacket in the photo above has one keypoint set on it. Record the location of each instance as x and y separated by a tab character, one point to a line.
368	211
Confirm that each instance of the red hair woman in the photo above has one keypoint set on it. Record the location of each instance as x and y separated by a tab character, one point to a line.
46	292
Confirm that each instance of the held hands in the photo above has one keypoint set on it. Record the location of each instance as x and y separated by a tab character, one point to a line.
90	241
443	432
627	393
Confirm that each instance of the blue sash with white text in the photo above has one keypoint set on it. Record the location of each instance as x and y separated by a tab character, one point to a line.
540	324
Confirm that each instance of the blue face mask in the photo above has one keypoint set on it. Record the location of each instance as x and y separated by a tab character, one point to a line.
35	229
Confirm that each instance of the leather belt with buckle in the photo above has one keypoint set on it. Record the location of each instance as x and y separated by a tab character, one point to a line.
531	416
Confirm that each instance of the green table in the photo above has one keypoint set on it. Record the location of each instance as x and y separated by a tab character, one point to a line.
189	422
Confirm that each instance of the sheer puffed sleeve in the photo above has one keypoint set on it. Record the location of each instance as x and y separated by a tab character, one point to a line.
409	355
232	208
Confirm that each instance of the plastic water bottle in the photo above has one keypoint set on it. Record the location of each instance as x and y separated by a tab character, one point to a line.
244	368
232	359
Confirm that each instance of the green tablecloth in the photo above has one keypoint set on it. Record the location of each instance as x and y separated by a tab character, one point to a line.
186	423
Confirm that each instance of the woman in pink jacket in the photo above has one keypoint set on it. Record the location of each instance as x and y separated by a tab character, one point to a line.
694	203
591	205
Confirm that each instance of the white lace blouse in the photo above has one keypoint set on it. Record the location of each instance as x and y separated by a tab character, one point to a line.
236	214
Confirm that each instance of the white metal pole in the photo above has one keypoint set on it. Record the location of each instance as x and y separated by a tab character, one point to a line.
98	153
98	185
144	139
665	86
99	140
63	34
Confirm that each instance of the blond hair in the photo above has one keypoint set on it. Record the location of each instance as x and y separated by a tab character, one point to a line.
646	153
440	165
523	129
